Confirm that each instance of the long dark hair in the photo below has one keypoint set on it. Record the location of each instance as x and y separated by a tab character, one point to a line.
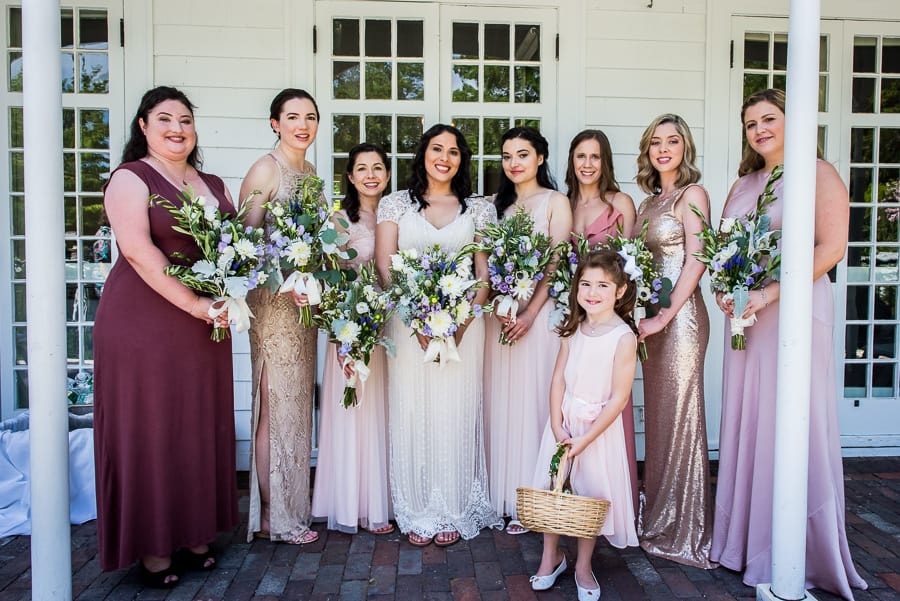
461	184
283	96
136	146
506	193
614	266
607	181
351	195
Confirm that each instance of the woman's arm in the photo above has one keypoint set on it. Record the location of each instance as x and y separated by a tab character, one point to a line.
558	390
386	236
126	206
625	205
692	270
263	177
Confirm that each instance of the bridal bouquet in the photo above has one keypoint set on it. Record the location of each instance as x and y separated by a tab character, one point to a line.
741	256
231	256
354	315
560	281
305	244
652	288
434	294
517	256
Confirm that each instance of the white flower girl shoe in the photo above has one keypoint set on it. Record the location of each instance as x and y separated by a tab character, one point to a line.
542	583
585	594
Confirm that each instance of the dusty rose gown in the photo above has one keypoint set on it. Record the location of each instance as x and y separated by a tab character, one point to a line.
676	508
352	485
742	539
517	393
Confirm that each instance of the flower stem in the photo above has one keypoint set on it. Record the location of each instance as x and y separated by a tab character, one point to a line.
738	342
642	351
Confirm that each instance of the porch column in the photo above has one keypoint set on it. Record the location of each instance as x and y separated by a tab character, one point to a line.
51	557
795	318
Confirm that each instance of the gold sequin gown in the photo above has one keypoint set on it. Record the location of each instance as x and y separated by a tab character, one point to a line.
675	521
287	353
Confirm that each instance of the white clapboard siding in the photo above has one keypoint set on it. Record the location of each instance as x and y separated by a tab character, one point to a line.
235	72
231	13
193	40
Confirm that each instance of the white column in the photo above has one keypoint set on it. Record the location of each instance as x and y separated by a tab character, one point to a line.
51	557
795	315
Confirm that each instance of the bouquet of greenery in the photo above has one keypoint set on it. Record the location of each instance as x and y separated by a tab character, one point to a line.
231	256
305	245
354	315
652	288
517	256
434	294
742	255
560	280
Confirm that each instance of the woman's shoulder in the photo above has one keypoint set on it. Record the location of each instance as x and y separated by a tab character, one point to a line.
393	206
483	211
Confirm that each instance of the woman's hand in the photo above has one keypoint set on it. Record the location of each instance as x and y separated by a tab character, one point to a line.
301	300
559	433
458	335
348	369
514	331
577	444
651	326
725	305
758	299
201	309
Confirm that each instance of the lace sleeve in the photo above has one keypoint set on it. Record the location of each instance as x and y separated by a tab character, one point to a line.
483	212
394	206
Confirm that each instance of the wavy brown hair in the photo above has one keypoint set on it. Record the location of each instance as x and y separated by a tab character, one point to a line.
750	159
607	181
614	267
647	177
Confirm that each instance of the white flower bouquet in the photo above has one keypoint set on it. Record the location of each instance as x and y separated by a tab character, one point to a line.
231	256
517	257
305	245
742	255
354	314
434	295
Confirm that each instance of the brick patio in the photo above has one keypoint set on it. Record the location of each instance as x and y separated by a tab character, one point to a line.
491	567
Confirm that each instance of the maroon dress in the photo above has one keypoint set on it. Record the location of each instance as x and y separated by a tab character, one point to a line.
164	441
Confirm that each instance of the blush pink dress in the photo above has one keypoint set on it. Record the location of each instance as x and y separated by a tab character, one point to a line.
742	535
601	471
352	486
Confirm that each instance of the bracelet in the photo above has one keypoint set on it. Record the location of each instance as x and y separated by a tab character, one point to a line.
764	299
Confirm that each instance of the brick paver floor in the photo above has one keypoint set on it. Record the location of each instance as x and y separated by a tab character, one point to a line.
491	567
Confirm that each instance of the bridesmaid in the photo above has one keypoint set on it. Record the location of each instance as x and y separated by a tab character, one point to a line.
676	513
742	539
600	210
351	472
283	354
517	377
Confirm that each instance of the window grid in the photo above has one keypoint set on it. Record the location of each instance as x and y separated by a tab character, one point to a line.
876	74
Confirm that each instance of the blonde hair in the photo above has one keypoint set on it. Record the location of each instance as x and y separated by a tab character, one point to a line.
750	159
647	177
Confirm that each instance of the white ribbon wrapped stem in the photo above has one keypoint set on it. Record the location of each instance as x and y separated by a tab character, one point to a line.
739	323
239	312
639	314
303	283
507	306
443	347
360	371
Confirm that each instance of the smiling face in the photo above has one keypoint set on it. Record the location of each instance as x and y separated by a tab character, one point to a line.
597	294
169	130
520	160
587	162
369	175
764	128
297	124
442	158
666	148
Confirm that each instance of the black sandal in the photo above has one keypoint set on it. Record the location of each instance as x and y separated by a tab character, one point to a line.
196	562
158	579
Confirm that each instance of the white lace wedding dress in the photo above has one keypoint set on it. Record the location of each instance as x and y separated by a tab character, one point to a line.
438	472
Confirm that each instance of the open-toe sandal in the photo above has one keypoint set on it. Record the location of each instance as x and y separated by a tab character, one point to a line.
196	562
515	527
387	529
419	541
310	536
158	579
450	537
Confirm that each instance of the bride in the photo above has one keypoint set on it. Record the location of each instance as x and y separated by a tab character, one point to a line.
437	465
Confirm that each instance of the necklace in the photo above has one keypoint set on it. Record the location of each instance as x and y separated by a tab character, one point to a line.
594	327
168	174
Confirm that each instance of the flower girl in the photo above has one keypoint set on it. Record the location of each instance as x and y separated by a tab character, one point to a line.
591	383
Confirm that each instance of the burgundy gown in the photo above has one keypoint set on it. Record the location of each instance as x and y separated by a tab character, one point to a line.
164	440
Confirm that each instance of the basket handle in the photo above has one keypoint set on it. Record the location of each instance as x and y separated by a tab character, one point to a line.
564	464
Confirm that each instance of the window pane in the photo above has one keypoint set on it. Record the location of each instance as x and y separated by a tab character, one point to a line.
71	260
378	38
21	346
887	184
87	343
528	84
340	168
864	54
345	40
858	303
404	170
823	53
94	129
67	75
16	134
91	215
857	341
345	80
67	29
492	171
465	83
889	150
858	268
92	30
73	303
755	82
886	302
409	130
890	95
70	210
465	40
345	132
409	39
886	257
94	171
884	379
15	71
822	138
890	55
860	230
779	52
756	51
496	83
378	130
94	73
861	185
528	122
411	81
528	42
19	302
14	36
72	344
469	129
18	215
863	99
823	93
68	128
378	81
493	131
69	172
19	264
884	341
496	41
779	82
21	389
861	144
16	172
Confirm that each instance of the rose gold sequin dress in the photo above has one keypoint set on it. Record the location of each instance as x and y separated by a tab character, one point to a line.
676	513
286	352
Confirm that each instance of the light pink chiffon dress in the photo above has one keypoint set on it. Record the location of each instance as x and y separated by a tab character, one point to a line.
742	536
352	486
517	393
601	471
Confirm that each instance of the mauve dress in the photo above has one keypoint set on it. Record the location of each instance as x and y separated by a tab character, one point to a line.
742	538
163	408
675	520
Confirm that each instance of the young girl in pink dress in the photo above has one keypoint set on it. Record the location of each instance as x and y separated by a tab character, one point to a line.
591	384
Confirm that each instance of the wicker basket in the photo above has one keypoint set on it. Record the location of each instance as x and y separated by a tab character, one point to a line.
557	512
